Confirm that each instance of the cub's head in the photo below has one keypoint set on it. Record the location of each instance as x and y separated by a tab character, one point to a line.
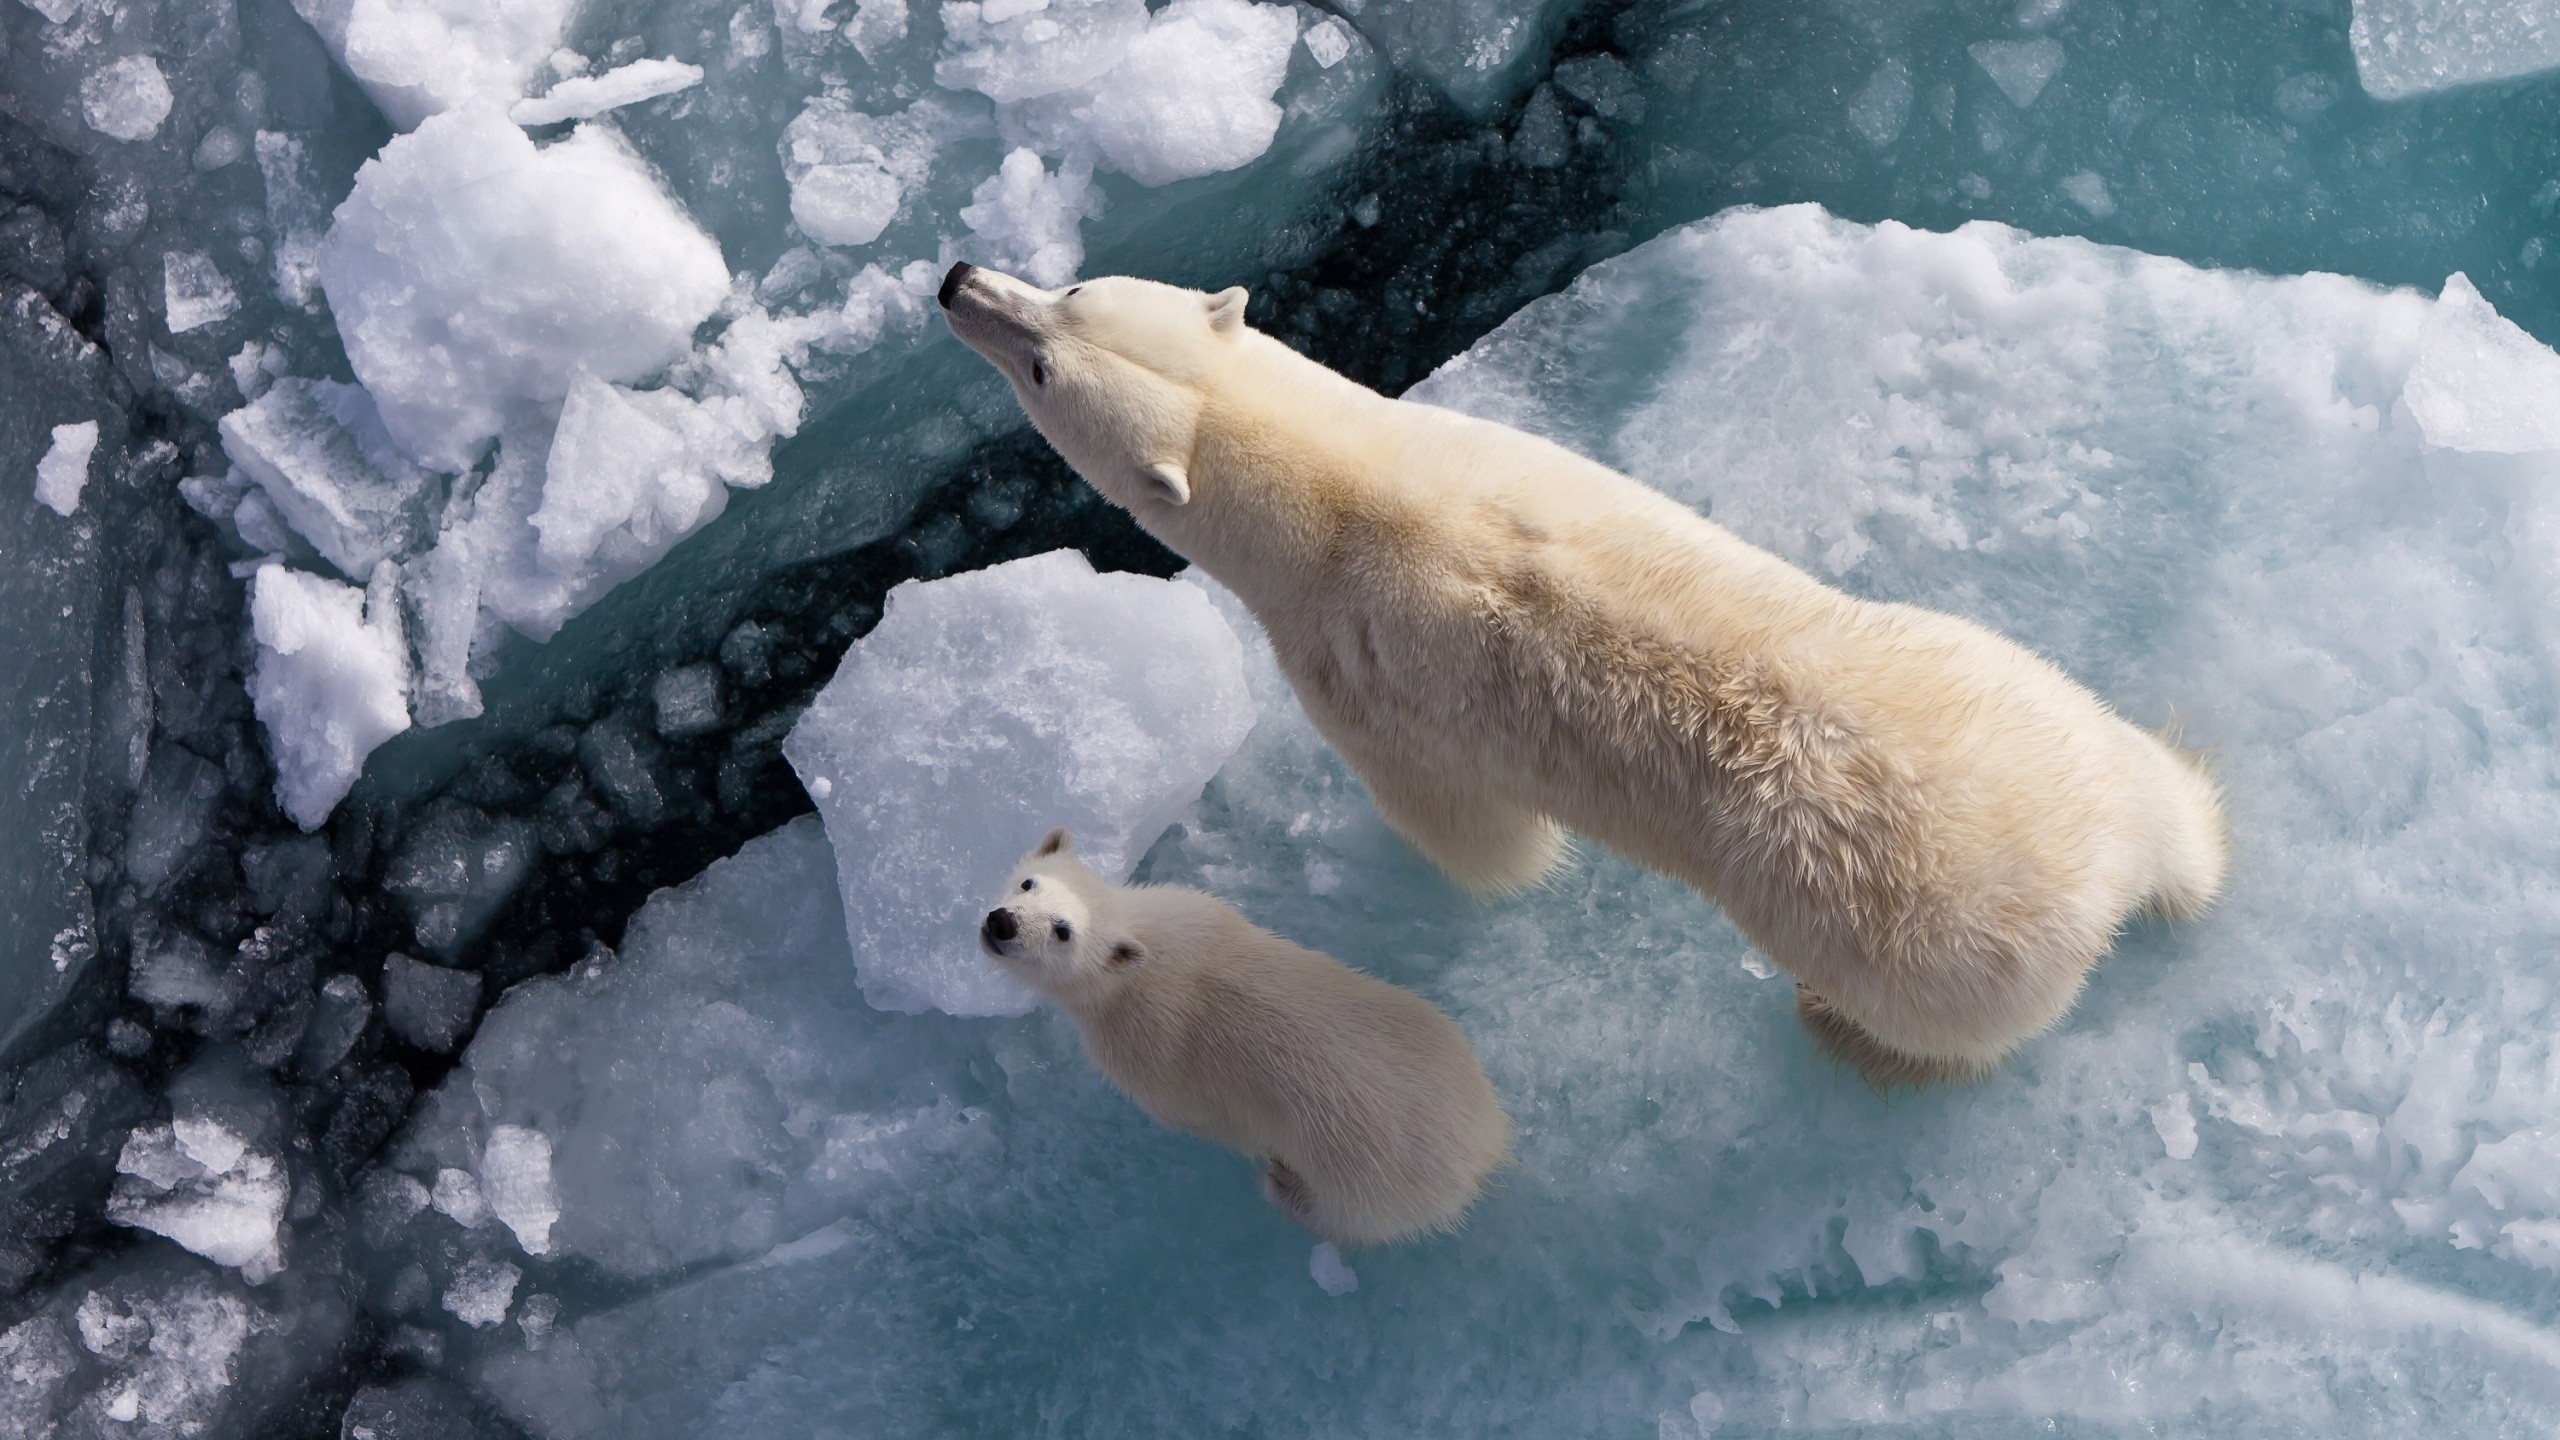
1054	926
1113	371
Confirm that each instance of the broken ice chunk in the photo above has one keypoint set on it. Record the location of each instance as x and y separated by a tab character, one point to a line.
65	467
295	219
2088	190
428	1005
1328	40
472	274
624	481
455	870
1884	104
1028	221
457	1198
1325	1266
170	815
126	99
849	171
515	1173
688	701
481	1292
194	292
417	58
1193	95
1008	50
2412	47
320	452
329	683
583	96
984	709
2481	383
337	1021
198	1182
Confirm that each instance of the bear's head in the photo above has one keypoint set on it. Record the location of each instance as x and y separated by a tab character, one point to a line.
1054	926
1112	371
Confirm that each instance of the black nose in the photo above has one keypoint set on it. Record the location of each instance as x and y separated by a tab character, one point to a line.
952	282
999	927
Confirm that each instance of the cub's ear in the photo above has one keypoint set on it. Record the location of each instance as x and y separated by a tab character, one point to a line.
1055	841
1168	480
1226	308
1126	953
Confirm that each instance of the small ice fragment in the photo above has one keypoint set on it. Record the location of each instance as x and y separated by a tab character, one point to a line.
126	99
2175	1119
1331	1275
338	1019
198	1182
457	1198
65	466
1756	967
428	1005
688	700
194	291
2021	68
321	453
481	1292
2088	191
584	96
821	788
330	683
876	26
515	1175
1028	221
1329	41
54	11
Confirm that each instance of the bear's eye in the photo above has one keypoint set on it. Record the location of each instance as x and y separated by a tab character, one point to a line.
1071	291
1062	930
1039	373
1026	884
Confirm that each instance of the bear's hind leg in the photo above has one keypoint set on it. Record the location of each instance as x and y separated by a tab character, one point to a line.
1483	841
1879	1064
1287	1189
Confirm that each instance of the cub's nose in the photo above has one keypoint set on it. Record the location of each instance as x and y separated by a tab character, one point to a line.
1000	927
951	283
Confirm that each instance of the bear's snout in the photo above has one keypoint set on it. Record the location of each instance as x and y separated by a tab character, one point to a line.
999	928
951	283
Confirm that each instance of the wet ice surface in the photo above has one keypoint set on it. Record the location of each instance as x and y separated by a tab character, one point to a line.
2283	1172
2276	1168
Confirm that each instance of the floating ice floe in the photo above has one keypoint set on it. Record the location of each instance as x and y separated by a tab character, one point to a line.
986	708
2414	47
2273	1159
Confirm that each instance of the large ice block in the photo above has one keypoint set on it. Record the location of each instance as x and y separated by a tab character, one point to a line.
986	708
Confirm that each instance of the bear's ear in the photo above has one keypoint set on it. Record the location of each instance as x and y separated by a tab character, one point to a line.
1170	484
1126	953
1226	308
1055	841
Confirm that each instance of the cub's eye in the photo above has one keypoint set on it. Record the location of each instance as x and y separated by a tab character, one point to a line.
1062	930
1039	373
1071	292
1026	884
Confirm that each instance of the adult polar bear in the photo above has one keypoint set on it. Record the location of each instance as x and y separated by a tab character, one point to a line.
1935	831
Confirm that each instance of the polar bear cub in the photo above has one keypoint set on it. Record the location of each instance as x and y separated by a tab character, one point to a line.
1935	831
1366	1106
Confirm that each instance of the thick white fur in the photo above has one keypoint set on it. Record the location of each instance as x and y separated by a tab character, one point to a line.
1935	831
1367	1106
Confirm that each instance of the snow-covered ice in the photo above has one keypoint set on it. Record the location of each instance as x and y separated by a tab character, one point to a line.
2412	47
2273	1160
418	58
986	708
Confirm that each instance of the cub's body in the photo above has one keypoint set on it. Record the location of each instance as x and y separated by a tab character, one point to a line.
1375	1119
